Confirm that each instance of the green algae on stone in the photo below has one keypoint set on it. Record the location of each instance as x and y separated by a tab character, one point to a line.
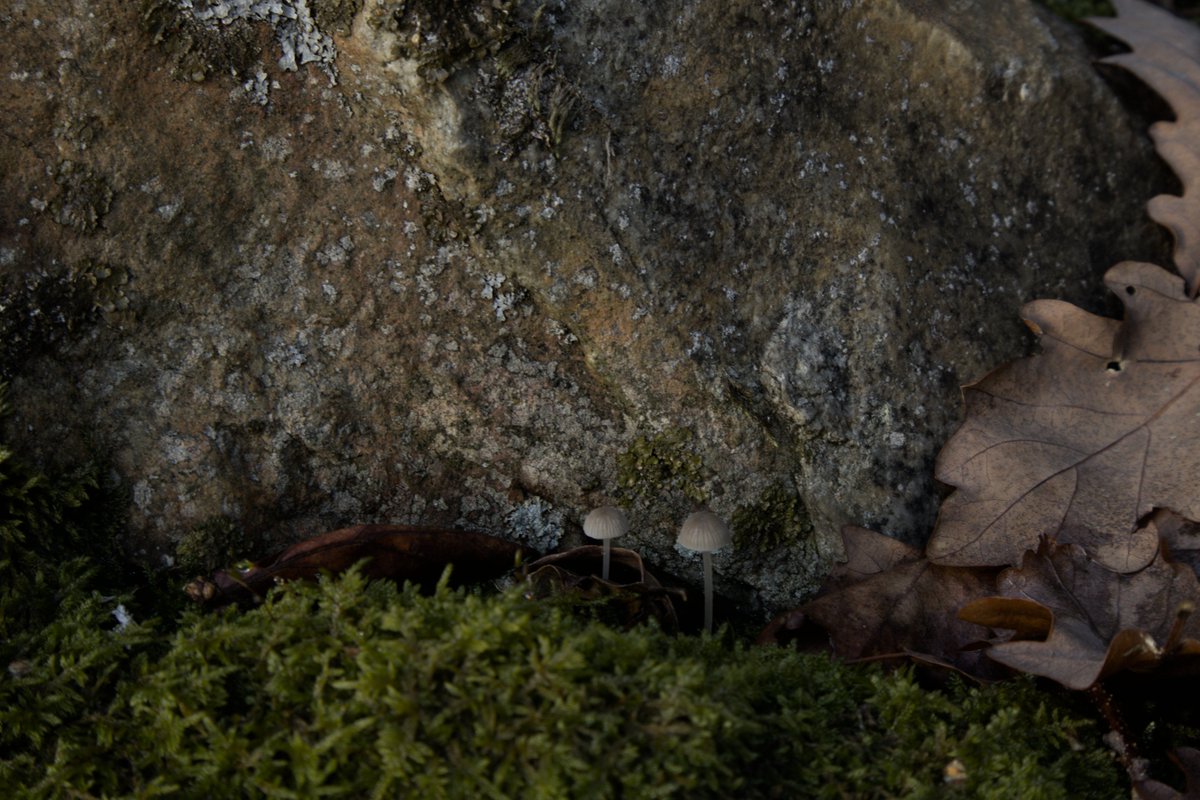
662	463
104	284
777	518
215	543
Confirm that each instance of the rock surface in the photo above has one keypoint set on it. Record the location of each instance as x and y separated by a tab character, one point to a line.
494	264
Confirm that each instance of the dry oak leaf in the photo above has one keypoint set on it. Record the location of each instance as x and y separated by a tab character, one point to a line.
396	552
1084	439
1166	56
1101	621
887	600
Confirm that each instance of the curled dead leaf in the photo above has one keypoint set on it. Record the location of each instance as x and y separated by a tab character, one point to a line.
396	552
1180	538
632	592
1103	622
1165	54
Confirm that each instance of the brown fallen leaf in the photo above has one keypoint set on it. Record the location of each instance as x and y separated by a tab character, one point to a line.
867	553
887	600
1166	56
1188	760
397	552
1103	621
632	592
1085	439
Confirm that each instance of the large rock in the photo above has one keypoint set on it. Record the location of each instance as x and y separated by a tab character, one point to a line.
491	264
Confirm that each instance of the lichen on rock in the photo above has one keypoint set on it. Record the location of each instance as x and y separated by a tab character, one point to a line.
208	35
518	243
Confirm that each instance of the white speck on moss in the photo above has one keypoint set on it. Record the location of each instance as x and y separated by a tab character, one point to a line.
123	617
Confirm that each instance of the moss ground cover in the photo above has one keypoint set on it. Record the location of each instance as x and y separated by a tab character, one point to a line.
345	688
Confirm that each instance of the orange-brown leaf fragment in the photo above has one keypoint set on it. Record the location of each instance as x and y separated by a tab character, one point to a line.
1025	618
1084	439
1103	621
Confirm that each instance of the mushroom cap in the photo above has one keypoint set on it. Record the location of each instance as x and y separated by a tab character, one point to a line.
704	532
606	522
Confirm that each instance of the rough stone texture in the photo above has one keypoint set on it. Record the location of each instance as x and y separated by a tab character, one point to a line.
522	259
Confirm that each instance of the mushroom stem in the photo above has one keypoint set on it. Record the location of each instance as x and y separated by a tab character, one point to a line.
604	567
708	592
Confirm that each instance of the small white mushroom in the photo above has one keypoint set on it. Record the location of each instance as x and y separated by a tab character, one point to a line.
606	523
704	532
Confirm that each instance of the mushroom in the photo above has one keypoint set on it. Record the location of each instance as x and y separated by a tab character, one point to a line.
606	523
704	532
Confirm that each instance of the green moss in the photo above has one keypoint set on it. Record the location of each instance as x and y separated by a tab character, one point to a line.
355	689
366	690
215	543
661	464
778	518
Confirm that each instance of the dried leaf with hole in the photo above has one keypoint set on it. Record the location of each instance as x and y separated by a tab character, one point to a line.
1084	439
1087	438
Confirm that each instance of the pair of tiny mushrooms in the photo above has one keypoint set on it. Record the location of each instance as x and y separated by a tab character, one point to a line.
702	532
